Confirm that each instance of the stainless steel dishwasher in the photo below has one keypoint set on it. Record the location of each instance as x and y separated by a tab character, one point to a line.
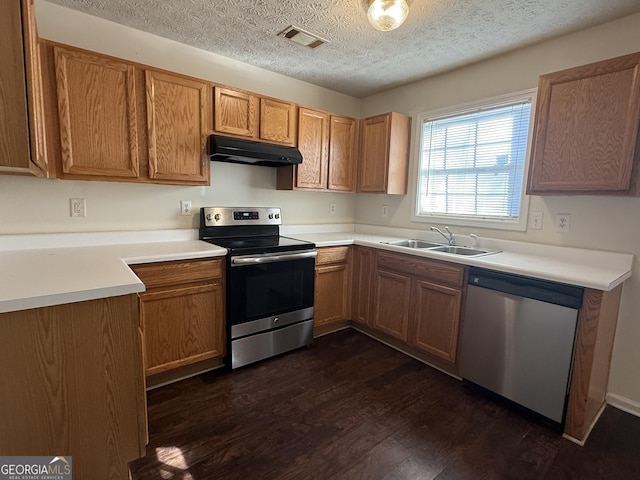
518	340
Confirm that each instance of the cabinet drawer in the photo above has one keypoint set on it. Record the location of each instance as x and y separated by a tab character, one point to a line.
172	273
440	272
328	255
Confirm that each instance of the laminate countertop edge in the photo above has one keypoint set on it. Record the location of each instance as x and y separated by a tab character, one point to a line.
43	277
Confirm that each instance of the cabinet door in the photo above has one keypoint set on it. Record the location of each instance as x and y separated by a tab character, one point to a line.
235	112
362	275
177	113
181	326
435	319
374	154
97	111
22	148
342	154
392	296
277	121
312	143
586	128
331	303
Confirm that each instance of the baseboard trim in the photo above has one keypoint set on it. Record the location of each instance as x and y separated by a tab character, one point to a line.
624	404
586	435
182	373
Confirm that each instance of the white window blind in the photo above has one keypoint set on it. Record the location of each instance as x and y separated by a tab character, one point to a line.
472	164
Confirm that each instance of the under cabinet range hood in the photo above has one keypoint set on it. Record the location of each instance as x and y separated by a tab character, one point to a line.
238	150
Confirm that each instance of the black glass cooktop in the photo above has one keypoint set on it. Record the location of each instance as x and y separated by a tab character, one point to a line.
260	244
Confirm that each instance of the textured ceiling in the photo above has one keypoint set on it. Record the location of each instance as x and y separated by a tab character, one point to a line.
438	35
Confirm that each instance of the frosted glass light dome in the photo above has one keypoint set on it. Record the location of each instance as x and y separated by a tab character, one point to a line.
387	15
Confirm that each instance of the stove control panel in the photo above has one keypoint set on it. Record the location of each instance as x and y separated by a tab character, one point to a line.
225	216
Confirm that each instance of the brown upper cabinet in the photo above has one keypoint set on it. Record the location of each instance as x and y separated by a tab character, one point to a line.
246	114
384	154
120	121
328	144
177	120
235	112
277	121
343	136
97	115
585	135
22	147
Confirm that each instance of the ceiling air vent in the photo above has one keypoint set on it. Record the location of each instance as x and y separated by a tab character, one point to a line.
302	37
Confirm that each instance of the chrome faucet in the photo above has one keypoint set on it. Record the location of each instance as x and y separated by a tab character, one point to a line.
450	238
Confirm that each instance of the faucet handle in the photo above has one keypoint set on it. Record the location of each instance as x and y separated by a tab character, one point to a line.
452	237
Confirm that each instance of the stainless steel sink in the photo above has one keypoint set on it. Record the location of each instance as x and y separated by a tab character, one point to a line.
414	244
457	250
441	247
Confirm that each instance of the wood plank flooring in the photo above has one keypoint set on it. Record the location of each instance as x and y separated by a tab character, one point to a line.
352	408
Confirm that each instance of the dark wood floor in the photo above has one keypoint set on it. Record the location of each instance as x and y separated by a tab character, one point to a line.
352	408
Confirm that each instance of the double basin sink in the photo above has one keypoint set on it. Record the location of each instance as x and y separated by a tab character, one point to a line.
441	247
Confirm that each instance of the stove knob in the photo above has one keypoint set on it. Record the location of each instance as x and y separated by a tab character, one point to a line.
217	217
277	215
209	217
271	216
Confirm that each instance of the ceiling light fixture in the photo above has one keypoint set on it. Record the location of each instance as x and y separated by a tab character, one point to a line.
387	15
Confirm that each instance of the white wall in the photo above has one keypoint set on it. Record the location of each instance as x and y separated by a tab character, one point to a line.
607	223
32	205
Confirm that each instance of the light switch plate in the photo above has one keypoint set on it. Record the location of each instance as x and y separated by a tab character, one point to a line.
535	220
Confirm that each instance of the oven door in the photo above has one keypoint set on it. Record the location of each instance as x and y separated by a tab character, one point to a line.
269	291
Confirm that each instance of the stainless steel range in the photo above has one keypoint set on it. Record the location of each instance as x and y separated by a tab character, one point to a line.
270	282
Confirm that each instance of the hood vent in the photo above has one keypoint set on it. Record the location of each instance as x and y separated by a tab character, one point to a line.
237	150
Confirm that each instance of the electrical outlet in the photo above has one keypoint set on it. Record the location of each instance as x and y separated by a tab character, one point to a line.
332	208
385	210
185	208
77	207
563	222
535	220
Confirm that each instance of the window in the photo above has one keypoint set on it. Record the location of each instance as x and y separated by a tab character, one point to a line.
472	163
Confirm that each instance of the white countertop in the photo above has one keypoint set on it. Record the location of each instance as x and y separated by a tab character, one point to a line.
41	277
595	269
52	269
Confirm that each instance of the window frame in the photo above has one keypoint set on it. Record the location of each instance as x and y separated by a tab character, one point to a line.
463	109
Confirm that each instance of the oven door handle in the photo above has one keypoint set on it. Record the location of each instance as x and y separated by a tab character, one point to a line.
267	258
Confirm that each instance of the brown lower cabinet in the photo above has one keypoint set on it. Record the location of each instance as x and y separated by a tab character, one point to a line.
181	314
391	303
414	302
417	301
72	384
332	301
363	263
435	318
